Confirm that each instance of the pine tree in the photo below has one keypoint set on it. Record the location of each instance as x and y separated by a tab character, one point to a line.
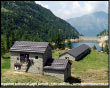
94	47
13	38
7	42
69	45
106	47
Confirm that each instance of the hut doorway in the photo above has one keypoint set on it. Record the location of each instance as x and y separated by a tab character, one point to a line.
22	57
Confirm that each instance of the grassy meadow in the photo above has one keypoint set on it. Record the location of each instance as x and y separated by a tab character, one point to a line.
91	69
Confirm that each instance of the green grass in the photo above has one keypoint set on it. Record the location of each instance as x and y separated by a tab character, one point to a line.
9	76
5	61
56	53
95	60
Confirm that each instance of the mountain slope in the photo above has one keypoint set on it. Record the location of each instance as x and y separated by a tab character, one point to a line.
90	25
28	21
31	19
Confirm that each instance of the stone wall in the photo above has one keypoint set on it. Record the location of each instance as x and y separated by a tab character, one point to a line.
57	74
37	67
14	56
67	55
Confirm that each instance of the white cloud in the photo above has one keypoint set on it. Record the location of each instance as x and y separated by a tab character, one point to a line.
88	8
75	9
97	6
71	9
75	4
44	5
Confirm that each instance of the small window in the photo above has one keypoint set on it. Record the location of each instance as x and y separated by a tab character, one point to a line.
66	57
21	54
36	57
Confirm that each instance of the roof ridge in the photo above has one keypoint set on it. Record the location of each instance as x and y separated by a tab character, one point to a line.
32	41
77	47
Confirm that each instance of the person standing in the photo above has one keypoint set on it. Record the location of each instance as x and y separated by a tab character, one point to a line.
26	58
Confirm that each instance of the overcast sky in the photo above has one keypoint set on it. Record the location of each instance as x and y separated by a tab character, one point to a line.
71	9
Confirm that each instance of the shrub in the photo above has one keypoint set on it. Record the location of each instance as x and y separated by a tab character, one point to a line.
94	47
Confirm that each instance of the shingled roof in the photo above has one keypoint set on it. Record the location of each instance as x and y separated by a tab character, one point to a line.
78	50
27	46
56	64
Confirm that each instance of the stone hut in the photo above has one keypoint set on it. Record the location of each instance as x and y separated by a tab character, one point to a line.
77	53
61	68
37	52
38	56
